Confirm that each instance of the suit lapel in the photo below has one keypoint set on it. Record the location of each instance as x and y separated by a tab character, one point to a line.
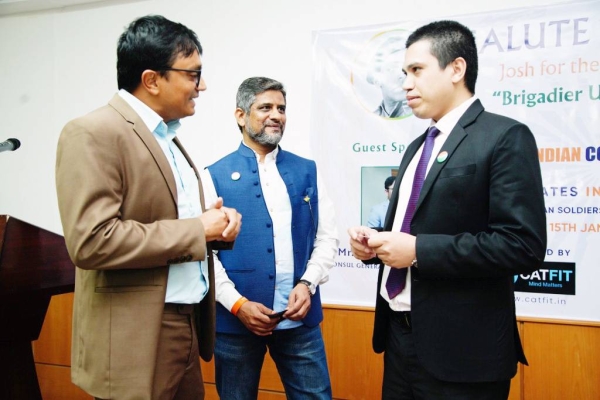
454	139
140	128
457	135
189	160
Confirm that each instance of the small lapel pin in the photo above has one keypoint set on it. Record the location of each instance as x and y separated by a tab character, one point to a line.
442	156
235	176
306	199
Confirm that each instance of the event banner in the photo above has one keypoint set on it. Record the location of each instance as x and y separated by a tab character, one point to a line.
538	65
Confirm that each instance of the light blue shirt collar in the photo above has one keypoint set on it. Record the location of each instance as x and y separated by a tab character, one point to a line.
153	121
167	131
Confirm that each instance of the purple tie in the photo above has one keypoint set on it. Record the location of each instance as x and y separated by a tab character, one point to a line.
397	277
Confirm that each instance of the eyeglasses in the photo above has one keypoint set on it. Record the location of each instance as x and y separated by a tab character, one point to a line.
198	73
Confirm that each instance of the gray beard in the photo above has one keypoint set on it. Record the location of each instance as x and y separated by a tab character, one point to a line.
263	138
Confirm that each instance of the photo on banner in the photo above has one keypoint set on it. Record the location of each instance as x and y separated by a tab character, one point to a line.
373	194
377	75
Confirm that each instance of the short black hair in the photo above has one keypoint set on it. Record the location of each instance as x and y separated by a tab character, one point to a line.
388	181
151	42
450	40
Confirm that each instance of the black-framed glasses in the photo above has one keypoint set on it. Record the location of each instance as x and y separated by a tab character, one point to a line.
198	73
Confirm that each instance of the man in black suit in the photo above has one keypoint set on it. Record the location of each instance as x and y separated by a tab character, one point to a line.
478	220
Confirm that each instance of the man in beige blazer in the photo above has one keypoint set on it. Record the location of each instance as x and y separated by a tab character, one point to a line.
130	204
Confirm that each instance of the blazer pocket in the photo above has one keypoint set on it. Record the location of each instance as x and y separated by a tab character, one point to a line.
458	171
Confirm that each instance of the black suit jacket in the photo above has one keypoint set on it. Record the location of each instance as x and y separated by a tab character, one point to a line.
479	221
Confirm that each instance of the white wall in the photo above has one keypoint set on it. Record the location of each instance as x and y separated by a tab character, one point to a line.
60	64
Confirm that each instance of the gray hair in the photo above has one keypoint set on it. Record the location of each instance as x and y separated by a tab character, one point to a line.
252	87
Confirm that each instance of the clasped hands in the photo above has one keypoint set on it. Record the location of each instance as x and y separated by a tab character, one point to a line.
221	223
395	249
255	316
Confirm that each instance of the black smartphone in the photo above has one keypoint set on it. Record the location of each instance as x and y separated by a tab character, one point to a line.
221	245
277	315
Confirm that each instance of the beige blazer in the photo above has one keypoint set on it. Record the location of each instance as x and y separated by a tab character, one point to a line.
118	205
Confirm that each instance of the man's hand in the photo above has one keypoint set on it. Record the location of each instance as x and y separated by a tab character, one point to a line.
255	317
395	249
298	303
221	223
359	242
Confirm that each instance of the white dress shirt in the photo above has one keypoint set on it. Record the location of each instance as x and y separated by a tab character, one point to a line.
278	205
445	126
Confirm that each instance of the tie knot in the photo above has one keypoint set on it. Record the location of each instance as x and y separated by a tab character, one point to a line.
433	132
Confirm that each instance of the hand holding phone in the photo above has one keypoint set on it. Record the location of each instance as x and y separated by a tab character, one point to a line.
277	315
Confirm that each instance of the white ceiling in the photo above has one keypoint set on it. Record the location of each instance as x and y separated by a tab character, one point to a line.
21	6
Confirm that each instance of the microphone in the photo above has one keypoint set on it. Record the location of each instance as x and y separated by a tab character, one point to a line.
10	145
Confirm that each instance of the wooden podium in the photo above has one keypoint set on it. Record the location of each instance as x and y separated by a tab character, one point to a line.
34	266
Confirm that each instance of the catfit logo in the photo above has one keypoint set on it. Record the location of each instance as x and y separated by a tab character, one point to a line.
553	277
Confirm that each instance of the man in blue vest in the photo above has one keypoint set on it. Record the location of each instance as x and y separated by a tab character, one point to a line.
267	285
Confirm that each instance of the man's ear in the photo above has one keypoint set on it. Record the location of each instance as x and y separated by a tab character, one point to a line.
240	117
459	69
150	81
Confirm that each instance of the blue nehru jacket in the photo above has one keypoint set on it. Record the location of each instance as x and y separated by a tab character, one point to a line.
251	263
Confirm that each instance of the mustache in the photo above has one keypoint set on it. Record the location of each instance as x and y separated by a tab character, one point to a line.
273	124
